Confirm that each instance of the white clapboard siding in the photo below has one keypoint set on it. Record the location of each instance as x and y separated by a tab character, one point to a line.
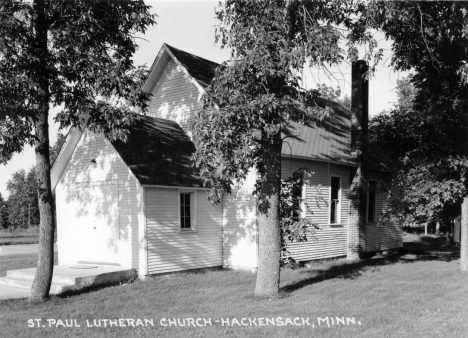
386	236
175	97
240	243
329	240
168	249
324	243
108	169
67	244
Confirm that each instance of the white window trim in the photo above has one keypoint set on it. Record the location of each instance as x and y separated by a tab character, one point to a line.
375	203
340	198
193	211
303	201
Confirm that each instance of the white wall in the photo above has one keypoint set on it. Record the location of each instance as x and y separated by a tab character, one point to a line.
109	169
383	236
169	249
175	97
240	245
331	239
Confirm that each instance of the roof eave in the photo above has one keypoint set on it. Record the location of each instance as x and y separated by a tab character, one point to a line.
315	159
190	77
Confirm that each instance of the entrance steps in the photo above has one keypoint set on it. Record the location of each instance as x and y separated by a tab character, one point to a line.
70	277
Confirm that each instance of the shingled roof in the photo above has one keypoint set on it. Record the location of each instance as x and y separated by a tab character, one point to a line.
328	140
202	70
158	153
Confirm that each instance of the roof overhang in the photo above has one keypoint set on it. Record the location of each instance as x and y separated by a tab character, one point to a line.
315	159
157	69
64	156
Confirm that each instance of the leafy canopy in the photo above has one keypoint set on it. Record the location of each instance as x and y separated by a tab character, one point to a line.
426	133
4	221
257	93
23	205
423	141
88	66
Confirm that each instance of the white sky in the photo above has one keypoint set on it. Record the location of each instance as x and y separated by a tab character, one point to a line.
189	25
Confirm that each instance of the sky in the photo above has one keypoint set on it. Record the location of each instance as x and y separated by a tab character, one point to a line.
190	26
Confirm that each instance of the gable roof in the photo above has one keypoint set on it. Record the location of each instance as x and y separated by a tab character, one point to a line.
202	70
328	140
158	152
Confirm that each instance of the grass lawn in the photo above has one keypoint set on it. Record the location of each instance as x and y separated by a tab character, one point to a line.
19	236
420	293
18	262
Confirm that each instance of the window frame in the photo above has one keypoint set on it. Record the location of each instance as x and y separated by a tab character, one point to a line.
340	200
368	199
193	211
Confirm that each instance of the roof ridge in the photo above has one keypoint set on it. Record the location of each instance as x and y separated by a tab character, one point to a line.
200	69
183	51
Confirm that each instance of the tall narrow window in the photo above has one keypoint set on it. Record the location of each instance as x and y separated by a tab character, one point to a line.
297	193
335	195
371	201
185	214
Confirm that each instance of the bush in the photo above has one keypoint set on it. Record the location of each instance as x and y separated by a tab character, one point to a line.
294	228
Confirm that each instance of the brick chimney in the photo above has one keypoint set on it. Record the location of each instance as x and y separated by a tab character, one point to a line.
359	128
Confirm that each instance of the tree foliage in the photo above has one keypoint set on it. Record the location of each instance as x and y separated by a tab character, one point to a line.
424	128
424	139
427	172
55	149
87	64
294	227
406	93
23	208
332	94
426	135
4	220
429	37
430	192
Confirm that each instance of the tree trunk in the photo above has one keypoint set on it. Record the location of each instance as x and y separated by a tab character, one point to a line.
448	242
269	231
45	263
425	229
437	229
464	236
464	207
448	229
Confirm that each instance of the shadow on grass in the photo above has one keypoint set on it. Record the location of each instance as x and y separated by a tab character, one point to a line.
200	271
94	288
427	249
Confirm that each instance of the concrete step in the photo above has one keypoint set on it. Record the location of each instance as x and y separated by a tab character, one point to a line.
26	284
28	274
65	278
11	292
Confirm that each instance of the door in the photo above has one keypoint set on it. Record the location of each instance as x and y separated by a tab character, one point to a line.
97	223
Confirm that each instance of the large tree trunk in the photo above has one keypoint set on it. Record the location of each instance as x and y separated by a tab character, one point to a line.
45	263
269	231
464	207
464	236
